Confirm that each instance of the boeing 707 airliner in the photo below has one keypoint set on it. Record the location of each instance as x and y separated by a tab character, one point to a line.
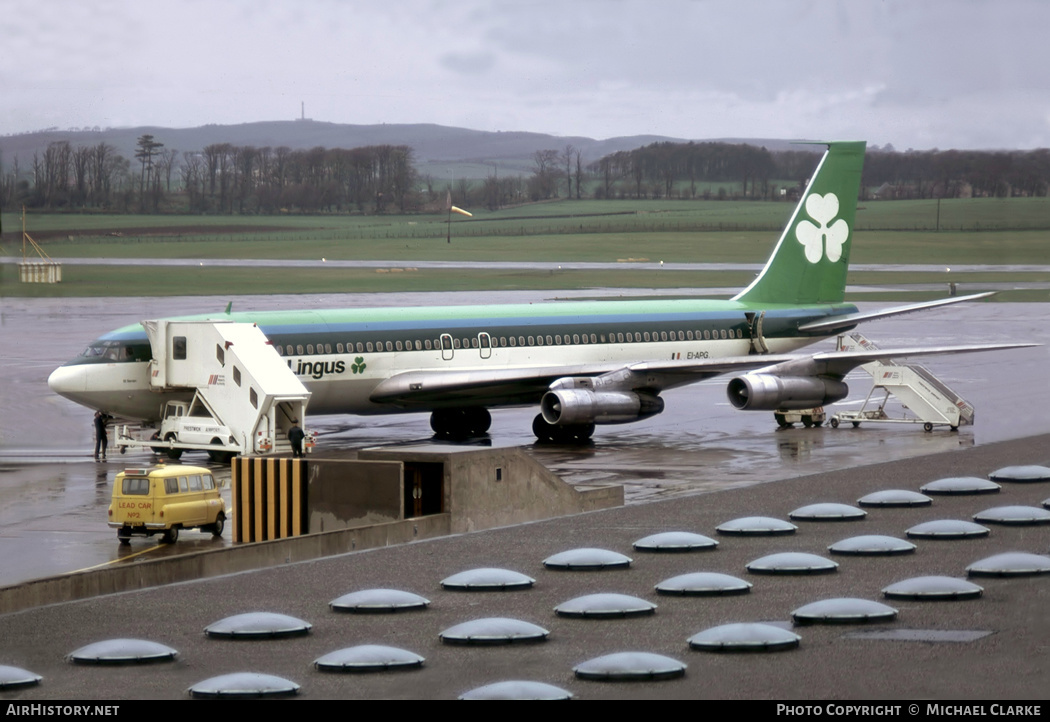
579	363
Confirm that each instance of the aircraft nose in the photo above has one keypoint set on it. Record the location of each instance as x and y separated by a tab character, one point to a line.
67	381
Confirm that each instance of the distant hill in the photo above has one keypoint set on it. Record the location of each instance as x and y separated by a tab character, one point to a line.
434	145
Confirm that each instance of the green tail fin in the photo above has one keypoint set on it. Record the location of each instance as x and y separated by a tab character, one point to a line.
810	261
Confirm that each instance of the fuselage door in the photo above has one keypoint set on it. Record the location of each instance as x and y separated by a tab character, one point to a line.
754	326
446	346
485	345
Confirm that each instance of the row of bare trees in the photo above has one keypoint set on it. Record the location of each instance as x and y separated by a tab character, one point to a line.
955	173
226	178
675	170
221	178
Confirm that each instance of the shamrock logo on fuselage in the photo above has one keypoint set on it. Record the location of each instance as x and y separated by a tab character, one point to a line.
827	238
358	366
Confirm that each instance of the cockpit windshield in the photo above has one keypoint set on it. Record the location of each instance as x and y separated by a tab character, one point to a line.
115	352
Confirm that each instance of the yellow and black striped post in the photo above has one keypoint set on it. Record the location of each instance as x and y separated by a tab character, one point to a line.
269	498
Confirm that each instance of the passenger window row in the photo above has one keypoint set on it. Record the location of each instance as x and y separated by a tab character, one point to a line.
512	341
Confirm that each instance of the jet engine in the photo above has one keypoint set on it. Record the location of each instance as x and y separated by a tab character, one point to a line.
768	392
573	401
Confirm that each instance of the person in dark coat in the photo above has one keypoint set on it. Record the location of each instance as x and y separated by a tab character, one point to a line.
101	438
296	436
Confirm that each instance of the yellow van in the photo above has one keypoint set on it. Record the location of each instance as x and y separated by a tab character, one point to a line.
164	499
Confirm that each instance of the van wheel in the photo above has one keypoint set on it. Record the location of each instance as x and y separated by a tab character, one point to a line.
218	526
171	535
219	456
124	537
173	454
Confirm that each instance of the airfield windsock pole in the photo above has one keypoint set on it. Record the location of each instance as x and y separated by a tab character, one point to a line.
451	209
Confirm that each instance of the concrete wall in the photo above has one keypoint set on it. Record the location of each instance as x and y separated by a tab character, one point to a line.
243	557
486	488
343	493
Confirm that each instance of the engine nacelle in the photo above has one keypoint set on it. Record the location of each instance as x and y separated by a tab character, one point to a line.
569	406
766	392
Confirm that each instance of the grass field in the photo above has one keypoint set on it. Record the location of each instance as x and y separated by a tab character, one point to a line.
973	232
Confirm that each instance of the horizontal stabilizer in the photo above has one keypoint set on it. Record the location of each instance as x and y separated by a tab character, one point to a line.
848	321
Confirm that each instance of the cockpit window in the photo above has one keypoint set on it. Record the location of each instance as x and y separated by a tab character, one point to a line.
115	352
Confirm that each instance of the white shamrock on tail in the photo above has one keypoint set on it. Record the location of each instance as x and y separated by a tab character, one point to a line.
816	239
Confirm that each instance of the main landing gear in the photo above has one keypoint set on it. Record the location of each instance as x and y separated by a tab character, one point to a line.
460	423
555	434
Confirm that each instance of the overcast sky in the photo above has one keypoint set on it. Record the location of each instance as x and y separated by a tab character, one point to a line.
917	74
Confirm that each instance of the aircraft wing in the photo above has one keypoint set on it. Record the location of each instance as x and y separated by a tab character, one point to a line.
832	363
435	389
848	321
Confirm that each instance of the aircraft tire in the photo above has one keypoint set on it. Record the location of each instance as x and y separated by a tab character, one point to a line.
554	434
479	421
460	423
544	432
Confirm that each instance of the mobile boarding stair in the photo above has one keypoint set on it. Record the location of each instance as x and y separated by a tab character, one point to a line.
918	390
242	396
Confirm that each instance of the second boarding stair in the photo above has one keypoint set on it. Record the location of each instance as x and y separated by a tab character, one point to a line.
917	389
